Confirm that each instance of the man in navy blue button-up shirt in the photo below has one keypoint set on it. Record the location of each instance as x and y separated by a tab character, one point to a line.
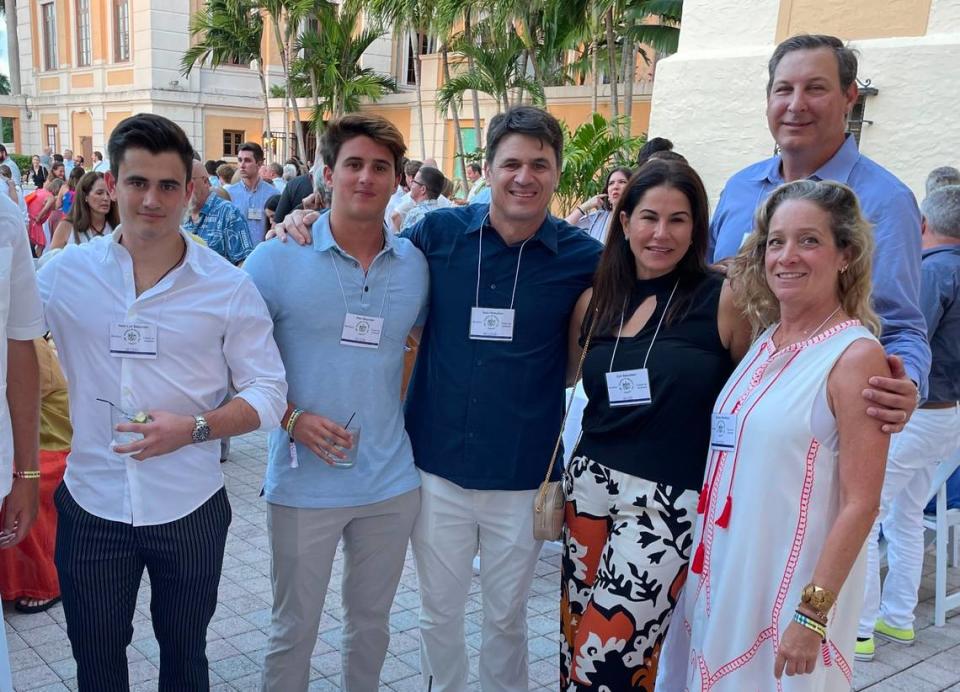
486	400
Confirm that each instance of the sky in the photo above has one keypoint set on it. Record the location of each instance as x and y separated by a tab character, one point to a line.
4	67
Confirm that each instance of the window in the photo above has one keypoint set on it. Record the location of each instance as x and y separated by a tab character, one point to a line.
121	30
232	139
83	33
857	118
428	44
52	137
48	18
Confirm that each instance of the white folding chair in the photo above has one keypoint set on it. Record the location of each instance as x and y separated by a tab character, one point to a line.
945	522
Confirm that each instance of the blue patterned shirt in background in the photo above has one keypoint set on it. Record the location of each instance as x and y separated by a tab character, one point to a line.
223	228
418	212
251	204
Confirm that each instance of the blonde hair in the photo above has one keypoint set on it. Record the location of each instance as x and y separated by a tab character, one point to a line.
851	233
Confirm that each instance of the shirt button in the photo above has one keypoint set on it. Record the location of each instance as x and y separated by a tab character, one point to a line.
366	289
493	287
469	434
479	363
474	400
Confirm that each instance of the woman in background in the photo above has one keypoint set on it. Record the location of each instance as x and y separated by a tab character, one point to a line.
593	216
28	576
93	213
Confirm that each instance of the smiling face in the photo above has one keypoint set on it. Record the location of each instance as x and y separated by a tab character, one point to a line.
615	187
522	178
363	179
802	262
807	108
150	192
660	230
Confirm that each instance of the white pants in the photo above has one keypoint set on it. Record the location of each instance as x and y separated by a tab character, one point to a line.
303	544
931	436
453	524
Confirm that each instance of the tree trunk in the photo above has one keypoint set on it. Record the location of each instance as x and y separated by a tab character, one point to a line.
415	42
630	74
474	96
595	66
283	50
261	72
523	73
612	65
301	145
458	133
13	51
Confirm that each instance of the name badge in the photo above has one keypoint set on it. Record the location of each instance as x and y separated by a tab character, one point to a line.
629	387
723	431
361	331
255	214
133	340
491	324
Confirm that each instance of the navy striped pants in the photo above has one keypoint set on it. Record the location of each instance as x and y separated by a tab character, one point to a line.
100	564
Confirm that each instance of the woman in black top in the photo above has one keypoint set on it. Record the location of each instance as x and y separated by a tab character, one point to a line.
38	173
665	337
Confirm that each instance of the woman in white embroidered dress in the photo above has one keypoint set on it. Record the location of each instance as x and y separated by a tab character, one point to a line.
796	466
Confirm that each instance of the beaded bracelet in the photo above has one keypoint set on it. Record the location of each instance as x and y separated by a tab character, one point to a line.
292	420
810	624
30	475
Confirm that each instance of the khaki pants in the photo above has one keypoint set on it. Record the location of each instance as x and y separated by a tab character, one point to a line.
303	543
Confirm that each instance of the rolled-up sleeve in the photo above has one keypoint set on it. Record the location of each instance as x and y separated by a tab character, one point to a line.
252	356
896	286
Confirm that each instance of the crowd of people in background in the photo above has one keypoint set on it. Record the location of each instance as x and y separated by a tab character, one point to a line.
812	319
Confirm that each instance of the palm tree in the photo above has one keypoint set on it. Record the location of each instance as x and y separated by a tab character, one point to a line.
331	61
412	16
4	85
228	32
496	71
286	17
662	35
13	47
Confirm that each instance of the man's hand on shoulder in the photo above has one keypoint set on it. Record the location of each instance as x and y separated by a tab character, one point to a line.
892	399
296	225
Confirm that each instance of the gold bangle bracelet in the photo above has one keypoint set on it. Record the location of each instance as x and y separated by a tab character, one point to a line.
30	475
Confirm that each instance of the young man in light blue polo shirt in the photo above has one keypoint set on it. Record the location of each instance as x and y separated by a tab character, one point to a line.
342	309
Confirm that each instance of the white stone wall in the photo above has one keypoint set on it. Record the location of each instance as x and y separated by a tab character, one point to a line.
709	97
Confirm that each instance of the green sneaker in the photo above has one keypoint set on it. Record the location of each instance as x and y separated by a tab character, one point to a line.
894	634
864	650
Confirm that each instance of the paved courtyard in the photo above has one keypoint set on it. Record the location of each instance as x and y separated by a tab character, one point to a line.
41	660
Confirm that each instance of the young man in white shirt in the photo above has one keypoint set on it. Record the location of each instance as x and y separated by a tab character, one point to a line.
21	320
154	327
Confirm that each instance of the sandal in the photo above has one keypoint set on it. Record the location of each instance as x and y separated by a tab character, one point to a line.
22	605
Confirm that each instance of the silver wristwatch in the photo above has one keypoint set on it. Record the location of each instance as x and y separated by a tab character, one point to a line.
201	430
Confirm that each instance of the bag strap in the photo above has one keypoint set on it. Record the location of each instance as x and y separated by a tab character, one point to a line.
576	379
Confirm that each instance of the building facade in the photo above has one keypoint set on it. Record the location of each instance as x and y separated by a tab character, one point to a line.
87	64
710	96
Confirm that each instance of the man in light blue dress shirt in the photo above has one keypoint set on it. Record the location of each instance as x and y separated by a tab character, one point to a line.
810	93
342	309
252	192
